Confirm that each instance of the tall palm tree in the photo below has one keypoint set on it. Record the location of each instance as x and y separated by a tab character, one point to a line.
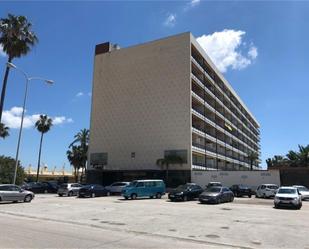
82	138
75	158
252	157
43	125
167	160
4	131
16	38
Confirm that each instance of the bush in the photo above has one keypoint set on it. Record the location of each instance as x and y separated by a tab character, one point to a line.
7	169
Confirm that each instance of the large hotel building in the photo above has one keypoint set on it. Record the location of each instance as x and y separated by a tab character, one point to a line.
165	97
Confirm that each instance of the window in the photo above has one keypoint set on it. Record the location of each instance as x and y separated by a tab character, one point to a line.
140	185
132	155
4	188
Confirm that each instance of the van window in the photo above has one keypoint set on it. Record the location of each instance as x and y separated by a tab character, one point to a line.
140	184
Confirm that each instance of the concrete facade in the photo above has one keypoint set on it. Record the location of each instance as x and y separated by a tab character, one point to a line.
151	99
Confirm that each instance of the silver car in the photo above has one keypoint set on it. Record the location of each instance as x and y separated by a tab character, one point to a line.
10	192
69	189
303	191
116	187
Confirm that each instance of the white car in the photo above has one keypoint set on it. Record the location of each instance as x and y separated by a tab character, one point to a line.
266	190
11	192
116	187
303	191
288	196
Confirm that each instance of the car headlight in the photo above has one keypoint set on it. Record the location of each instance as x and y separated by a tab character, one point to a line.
295	199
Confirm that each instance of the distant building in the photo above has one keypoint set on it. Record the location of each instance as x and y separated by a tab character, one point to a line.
165	97
47	174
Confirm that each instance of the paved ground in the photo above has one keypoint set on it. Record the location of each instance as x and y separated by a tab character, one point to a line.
111	222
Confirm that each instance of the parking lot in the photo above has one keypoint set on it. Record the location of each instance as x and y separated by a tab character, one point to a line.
245	223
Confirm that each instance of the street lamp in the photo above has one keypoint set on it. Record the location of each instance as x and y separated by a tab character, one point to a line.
11	65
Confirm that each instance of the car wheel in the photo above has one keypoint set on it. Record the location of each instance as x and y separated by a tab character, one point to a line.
126	197
151	197
133	196
264	195
108	193
232	199
92	195
70	193
276	206
185	198
28	198
158	195
299	206
249	196
60	195
45	191
218	201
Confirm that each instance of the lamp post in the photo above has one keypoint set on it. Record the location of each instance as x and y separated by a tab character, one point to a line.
11	65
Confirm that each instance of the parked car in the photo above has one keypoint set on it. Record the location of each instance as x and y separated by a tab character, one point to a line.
116	187
93	190
40	187
185	192
10	192
288	196
144	188
241	190
214	184
266	190
69	189
216	195
303	191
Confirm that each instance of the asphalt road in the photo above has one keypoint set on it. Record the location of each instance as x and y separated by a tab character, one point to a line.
111	222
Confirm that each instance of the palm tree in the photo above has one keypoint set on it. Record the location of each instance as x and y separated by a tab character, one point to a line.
75	158
4	131
167	160
16	39
252	157
82	138
43	125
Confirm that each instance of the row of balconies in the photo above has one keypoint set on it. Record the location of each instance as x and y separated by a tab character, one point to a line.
221	94
221	120
221	108
217	157
219	132
201	62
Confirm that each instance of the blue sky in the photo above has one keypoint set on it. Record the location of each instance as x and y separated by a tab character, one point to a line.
273	83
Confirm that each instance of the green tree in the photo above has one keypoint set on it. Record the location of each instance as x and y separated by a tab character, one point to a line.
7	169
4	131
16	38
82	139
167	161
74	156
43	125
252	157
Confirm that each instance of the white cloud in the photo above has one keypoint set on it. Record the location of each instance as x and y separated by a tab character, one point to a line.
1	51
252	53
226	49
194	2
170	20
12	118
80	94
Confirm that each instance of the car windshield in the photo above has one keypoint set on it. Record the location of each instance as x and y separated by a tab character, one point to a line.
287	191
272	186
302	189
132	184
214	189
182	187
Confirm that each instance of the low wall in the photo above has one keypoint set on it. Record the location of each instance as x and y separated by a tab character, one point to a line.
228	178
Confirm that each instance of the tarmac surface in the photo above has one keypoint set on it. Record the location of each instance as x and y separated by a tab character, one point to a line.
50	221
